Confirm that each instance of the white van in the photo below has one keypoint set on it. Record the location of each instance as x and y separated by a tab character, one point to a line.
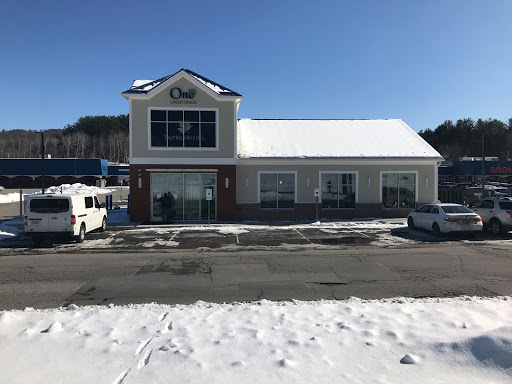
63	215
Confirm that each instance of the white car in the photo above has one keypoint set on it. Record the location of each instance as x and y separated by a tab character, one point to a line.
1	188
63	215
496	213
444	218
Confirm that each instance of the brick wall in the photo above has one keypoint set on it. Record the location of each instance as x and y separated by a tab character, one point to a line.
307	212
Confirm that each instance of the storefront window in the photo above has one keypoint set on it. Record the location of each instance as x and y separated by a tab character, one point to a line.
277	190
183	129
398	190
338	190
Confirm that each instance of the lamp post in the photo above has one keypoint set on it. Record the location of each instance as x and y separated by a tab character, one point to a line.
76	149
42	161
483	167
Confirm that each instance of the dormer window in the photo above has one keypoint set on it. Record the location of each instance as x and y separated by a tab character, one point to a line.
184	128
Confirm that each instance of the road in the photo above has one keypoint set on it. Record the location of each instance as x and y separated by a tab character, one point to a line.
56	277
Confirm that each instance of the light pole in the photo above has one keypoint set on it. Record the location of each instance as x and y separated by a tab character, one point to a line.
76	149
483	167
42	161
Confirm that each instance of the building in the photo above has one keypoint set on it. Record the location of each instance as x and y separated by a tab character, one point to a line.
469	170
26	173
185	139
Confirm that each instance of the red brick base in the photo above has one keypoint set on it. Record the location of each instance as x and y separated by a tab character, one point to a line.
308	212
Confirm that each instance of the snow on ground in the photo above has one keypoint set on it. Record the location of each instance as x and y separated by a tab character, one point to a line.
457	340
11	197
10	228
76	188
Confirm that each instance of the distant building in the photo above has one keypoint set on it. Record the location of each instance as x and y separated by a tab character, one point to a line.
470	171
26	173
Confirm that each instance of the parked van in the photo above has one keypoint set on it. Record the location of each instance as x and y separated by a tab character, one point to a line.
63	215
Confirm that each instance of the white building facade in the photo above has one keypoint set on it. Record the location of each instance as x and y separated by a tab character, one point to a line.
185	139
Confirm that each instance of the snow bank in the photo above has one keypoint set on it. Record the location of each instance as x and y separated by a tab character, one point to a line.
11	197
9	229
458	340
77	188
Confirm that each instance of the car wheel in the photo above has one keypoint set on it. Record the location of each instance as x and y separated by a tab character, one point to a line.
436	229
410	223
81	235
103	224
496	227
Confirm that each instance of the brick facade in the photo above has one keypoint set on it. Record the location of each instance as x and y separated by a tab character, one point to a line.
140	198
307	211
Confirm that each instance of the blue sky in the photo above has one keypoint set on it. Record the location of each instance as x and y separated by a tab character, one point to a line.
421	61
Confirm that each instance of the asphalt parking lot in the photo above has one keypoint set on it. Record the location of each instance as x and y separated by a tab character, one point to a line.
172	238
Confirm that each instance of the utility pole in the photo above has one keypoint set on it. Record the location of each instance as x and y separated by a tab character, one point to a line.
483	166
42	161
76	150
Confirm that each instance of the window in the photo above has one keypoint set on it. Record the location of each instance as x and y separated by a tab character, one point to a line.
277	190
183	128
88	202
338	190
398	190
455	209
49	205
96	202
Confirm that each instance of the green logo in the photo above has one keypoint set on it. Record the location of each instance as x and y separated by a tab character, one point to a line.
192	93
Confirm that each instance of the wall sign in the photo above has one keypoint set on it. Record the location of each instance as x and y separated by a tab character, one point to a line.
505	170
180	96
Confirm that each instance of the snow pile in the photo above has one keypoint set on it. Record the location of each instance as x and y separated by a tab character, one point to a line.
11	197
9	229
459	340
78	188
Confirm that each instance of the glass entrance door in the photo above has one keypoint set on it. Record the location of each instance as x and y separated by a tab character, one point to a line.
189	195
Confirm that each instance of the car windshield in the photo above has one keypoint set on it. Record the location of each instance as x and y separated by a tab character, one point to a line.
49	205
506	204
455	209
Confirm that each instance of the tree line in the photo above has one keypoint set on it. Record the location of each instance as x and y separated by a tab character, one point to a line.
104	137
464	138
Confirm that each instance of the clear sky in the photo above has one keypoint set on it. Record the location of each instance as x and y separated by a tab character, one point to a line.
421	61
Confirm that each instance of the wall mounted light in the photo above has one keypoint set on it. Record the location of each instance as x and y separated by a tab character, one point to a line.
426	181
307	182
140	182
246	181
369	181
226	181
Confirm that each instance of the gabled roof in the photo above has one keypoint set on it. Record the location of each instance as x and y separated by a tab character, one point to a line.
390	138
145	86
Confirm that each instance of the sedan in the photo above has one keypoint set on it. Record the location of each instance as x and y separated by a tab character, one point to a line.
444	218
1	188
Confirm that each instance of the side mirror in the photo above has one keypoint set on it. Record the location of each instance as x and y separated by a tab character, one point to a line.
102	205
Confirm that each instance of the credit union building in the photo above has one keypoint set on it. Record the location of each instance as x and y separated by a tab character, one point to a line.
186	138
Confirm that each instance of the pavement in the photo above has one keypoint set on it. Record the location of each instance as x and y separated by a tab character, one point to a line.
183	264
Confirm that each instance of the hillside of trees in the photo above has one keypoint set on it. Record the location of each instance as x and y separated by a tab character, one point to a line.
106	137
464	138
103	137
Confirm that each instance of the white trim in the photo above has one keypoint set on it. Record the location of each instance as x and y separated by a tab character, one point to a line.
436	183
178	76
235	127
130	129
195	149
338	173
182	161
181	170
415	185
277	172
336	161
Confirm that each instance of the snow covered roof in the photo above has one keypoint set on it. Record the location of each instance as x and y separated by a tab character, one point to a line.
390	138
144	86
